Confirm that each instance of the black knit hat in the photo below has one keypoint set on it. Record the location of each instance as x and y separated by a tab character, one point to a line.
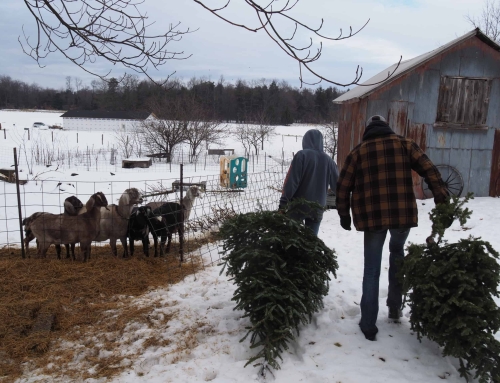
377	117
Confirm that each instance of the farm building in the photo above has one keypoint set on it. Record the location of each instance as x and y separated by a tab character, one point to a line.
82	120
448	101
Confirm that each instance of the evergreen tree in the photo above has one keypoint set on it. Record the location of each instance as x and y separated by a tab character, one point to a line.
281	269
450	288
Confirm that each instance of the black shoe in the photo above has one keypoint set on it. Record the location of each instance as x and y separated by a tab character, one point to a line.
370	335
395	313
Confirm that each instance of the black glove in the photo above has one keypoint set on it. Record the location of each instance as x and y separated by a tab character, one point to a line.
345	222
442	197
281	209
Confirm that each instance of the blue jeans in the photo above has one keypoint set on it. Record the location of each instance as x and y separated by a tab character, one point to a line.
374	243
312	224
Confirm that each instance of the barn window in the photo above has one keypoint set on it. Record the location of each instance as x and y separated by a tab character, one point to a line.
463	102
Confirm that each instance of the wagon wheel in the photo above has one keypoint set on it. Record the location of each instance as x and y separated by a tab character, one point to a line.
452	179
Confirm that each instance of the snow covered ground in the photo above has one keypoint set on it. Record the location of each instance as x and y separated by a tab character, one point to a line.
330	349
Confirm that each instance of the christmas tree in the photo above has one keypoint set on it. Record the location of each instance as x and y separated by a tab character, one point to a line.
281	270
450	289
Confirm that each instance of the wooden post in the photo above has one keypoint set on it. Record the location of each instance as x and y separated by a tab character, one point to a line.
265	161
102	139
23	253
28	134
52	136
181	237
77	137
4	134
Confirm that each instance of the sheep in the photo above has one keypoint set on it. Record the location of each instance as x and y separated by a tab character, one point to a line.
61	228
114	221
71	207
141	222
173	217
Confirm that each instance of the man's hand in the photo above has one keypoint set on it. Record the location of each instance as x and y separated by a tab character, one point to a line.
281	209
442	197
345	222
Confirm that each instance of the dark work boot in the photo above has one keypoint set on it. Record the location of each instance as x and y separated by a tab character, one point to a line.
395	313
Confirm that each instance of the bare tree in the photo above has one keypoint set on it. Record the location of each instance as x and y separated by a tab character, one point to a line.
78	83
242	134
200	127
127	142
330	134
203	131
264	129
69	86
87	30
489	20
251	136
161	136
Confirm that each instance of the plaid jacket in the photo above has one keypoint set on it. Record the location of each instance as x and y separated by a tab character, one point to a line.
377	173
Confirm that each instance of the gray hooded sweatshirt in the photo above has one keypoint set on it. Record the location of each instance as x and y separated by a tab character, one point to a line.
310	173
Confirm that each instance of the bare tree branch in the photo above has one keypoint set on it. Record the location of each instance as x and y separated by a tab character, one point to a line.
87	30
489	20
302	54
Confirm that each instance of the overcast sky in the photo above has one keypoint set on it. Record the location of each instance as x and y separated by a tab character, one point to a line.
397	27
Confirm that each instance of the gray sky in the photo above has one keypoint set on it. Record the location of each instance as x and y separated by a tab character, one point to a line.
397	27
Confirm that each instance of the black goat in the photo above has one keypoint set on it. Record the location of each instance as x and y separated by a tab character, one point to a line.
172	221
141	222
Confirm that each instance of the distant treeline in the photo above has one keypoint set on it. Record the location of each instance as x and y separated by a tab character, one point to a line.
271	101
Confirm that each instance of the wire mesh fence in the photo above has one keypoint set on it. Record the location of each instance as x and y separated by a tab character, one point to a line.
209	210
34	159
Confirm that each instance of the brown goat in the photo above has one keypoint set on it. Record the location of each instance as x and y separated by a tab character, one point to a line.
114	221
71	207
61	229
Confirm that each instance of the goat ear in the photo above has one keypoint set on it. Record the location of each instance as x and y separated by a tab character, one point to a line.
69	208
90	203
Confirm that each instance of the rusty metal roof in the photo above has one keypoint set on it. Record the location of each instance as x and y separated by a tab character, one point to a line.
380	79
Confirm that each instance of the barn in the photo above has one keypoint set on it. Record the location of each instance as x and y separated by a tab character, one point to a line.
83	120
448	101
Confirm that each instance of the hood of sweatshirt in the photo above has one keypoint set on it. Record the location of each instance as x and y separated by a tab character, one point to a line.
313	139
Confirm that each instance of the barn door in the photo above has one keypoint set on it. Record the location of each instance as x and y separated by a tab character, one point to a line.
398	117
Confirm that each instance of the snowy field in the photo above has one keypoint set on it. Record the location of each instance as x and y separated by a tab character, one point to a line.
330	349
50	185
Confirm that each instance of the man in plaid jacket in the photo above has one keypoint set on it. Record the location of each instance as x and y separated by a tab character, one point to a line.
376	184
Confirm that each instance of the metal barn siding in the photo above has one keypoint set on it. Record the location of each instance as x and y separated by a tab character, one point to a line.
410	103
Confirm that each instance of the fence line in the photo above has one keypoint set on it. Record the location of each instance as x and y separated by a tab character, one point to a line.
36	159
216	205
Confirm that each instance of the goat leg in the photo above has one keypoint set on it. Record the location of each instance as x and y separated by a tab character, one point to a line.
145	246
131	242
68	255
58	251
169	236
123	240
112	243
155	240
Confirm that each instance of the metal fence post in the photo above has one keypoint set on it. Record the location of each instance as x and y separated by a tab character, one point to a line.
181	236
19	204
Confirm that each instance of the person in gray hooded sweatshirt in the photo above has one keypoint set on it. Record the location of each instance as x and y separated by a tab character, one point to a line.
309	175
